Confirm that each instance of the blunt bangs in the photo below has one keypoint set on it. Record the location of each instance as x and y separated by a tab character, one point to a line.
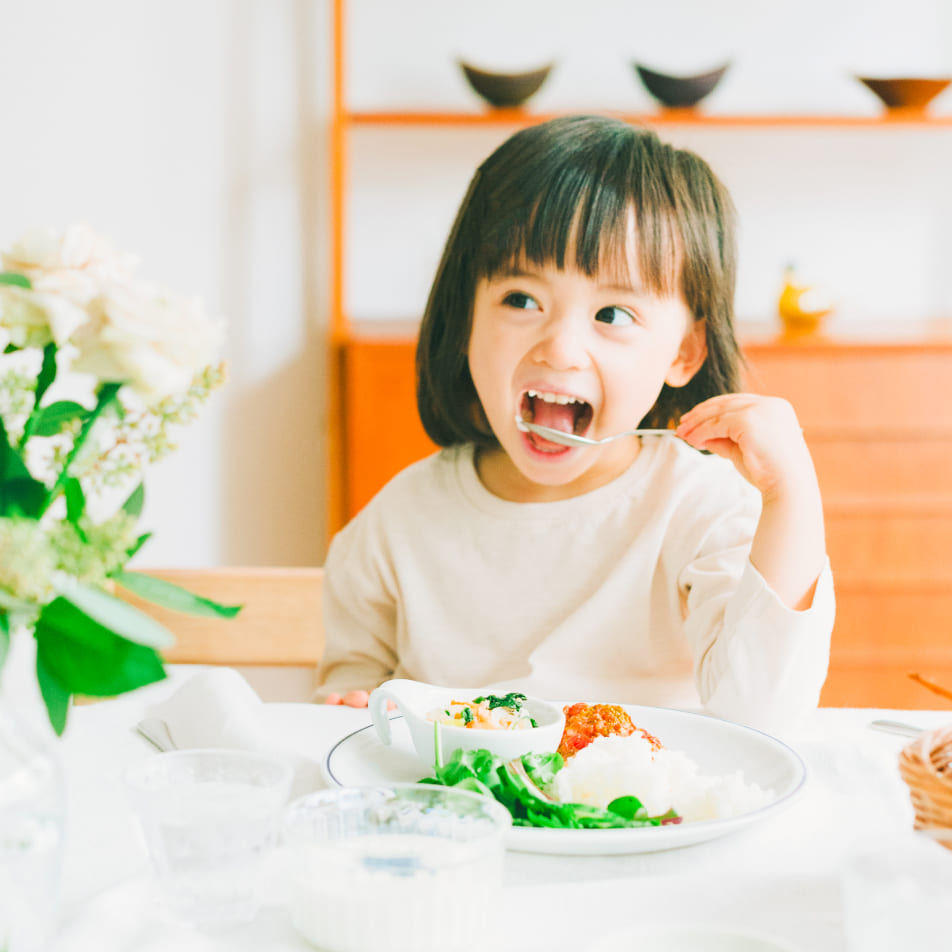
581	206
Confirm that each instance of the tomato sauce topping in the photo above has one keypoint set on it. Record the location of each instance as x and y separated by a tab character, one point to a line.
585	722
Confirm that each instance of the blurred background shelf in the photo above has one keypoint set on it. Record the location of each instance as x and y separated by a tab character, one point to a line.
896	118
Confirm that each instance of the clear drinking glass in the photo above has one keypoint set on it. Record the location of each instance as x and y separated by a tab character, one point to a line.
210	818
897	892
408	868
32	810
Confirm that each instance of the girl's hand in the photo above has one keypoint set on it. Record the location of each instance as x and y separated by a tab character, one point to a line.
760	435
355	699
350	699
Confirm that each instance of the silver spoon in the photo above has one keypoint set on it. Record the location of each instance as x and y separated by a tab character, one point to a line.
570	439
896	727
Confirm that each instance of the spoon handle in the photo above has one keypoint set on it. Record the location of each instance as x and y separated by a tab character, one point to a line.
896	727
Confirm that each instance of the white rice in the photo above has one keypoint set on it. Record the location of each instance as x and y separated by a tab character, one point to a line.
612	767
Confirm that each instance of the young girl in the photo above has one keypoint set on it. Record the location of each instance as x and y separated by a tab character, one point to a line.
587	285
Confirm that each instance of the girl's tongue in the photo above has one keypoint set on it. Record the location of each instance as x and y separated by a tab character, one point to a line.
558	416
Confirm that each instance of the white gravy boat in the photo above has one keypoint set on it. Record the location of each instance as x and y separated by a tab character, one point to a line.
416	699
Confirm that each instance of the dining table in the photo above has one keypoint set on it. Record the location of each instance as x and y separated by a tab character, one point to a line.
779	877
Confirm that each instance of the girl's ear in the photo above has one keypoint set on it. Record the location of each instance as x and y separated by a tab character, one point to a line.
691	355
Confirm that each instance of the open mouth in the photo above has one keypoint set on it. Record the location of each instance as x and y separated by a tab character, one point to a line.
560	411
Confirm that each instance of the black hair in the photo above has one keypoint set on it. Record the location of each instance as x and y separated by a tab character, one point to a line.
568	187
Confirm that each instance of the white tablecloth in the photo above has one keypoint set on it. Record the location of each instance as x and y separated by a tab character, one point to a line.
779	876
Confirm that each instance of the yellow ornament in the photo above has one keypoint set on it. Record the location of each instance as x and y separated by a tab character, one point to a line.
801	306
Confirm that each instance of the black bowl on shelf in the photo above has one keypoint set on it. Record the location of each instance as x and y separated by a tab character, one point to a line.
505	90
679	92
905	92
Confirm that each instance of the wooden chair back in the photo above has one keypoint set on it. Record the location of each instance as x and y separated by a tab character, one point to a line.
279	625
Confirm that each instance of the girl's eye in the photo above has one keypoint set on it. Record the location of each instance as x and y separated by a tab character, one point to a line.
617	316
521	300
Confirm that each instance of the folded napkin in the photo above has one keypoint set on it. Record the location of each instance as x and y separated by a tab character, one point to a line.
217	707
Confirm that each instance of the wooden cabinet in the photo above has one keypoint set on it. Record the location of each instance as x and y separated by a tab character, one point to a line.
382	430
878	418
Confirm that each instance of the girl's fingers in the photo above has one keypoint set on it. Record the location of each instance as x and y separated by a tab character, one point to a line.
714	408
354	699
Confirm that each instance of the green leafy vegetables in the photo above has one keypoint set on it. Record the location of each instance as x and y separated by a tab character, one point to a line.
519	785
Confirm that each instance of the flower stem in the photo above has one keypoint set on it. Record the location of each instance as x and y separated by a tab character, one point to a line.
107	394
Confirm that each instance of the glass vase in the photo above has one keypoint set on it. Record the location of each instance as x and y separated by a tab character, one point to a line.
32	808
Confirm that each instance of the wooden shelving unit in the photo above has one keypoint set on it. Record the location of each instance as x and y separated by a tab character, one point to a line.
663	117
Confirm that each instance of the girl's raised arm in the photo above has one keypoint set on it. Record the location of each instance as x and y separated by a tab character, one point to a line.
761	436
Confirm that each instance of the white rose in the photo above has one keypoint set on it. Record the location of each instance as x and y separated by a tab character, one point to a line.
71	264
32	319
75	249
149	340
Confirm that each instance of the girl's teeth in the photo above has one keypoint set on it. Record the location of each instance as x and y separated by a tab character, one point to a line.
552	397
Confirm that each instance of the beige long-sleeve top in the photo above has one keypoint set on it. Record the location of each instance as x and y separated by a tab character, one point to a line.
641	592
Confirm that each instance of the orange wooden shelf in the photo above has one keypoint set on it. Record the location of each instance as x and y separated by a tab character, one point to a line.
690	117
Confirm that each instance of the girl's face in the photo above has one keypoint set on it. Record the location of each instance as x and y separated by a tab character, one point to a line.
582	354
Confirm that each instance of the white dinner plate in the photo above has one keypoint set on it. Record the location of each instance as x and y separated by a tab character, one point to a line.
718	748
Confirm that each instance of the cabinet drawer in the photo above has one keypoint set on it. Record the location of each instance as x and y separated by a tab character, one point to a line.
883	685
883	469
882	548
874	390
893	624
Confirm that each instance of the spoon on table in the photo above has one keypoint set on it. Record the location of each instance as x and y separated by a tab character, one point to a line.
897	727
570	439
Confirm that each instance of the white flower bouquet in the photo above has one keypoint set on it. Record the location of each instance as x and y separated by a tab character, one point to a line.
97	369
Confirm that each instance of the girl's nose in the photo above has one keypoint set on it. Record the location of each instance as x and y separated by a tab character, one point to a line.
562	344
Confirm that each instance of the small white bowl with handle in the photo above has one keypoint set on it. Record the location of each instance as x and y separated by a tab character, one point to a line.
416	700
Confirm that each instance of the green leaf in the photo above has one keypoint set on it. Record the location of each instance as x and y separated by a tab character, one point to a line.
51	419
475	786
23	497
172	596
133	505
4	637
116	615
141	541
20	493
81	656
11	277
542	768
47	372
55	695
11	463
629	807
75	503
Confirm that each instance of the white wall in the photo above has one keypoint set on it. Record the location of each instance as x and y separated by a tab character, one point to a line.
193	132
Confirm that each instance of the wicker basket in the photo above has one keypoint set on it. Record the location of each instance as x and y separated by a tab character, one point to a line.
926	766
